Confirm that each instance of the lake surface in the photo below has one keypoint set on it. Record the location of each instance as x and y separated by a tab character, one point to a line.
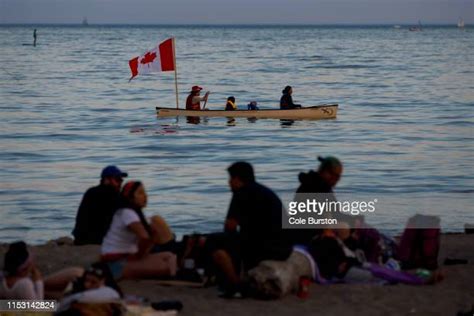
405	125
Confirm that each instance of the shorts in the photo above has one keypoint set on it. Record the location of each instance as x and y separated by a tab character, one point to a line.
116	268
116	263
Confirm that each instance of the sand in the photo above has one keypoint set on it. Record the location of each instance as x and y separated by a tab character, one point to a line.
454	294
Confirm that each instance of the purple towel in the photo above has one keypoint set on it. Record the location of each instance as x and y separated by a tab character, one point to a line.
393	276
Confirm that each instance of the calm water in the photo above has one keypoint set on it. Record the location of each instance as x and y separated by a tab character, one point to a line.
405	123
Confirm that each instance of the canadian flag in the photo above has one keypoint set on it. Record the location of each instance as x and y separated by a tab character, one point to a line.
160	58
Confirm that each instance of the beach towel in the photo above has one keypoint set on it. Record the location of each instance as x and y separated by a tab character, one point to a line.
393	276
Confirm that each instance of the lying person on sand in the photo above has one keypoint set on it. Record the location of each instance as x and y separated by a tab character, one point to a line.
337	263
96	285
22	280
131	241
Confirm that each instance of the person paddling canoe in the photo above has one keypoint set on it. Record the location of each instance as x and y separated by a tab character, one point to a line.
193	102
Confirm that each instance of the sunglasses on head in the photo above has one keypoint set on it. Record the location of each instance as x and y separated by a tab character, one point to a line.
95	271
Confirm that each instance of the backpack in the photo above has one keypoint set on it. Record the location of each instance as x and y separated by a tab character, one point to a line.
419	244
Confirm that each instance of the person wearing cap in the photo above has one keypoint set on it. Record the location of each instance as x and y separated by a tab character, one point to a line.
323	180
286	101
97	208
193	101
318	182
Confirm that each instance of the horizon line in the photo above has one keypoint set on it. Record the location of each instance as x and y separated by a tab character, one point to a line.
231	24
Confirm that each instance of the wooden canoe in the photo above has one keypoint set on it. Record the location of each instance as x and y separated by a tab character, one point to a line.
326	111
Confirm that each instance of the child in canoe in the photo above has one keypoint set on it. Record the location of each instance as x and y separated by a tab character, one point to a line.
230	105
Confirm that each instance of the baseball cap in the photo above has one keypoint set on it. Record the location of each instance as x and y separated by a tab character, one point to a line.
196	88
113	171
329	162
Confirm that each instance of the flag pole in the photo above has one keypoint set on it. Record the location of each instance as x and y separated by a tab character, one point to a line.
175	75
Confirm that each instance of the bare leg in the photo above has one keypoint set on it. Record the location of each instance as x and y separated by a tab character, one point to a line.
56	283
151	266
163	233
224	263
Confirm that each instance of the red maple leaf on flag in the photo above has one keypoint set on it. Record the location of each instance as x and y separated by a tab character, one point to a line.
148	58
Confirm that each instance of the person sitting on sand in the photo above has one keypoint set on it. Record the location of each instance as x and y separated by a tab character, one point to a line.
253	225
21	279
98	207
230	105
324	180
252	106
193	101
321	182
96	285
286	101
128	245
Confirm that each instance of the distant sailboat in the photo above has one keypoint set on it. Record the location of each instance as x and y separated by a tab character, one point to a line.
397	27
84	22
461	23
416	28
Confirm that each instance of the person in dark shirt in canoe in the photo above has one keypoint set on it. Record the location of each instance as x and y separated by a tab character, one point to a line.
286	101
230	105
252	106
98	207
254	219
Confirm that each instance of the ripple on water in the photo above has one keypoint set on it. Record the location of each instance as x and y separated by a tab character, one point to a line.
66	114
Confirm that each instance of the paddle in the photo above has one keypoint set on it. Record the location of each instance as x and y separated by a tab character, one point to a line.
205	102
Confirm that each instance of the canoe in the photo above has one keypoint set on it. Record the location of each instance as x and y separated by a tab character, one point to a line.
325	111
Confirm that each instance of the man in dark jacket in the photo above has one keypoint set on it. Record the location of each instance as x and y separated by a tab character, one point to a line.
323	180
98	207
321	184
254	221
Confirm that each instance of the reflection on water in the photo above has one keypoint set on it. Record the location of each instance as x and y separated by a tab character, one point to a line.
230	121
193	119
286	123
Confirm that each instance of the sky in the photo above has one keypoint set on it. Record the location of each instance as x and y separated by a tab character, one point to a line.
237	11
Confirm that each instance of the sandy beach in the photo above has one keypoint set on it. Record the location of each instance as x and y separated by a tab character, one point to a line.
454	294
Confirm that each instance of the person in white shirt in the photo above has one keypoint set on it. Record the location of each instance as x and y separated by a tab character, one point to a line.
128	243
21	279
